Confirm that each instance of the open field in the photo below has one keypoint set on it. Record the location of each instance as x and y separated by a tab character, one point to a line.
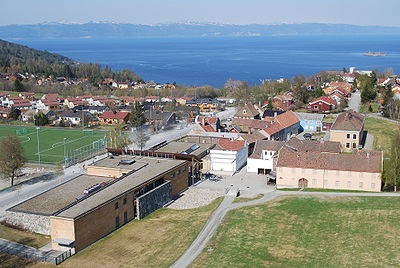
308	232
51	141
156	241
364	108
383	132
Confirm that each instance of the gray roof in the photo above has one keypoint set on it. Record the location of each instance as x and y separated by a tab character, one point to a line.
154	168
179	147
266	145
310	116
59	197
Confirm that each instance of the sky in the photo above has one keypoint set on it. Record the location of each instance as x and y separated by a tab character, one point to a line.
359	12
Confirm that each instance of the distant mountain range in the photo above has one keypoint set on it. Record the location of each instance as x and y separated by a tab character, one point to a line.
124	30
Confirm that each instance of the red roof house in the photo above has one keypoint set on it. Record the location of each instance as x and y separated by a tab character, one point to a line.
322	104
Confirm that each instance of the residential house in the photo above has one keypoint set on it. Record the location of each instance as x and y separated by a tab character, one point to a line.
160	119
48	105
323	104
21	104
337	97
249	111
27	115
283	102
113	117
349	77
51	96
4	112
333	85
249	125
74	117
96	110
206	105
348	129
27	95
229	155
209	123
182	101
263	158
73	102
360	170
310	122
123	85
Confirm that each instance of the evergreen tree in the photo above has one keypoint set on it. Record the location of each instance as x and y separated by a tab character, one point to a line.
137	118
15	113
40	119
18	86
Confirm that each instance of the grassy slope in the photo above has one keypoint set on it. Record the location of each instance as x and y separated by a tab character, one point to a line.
25	238
49	137
383	132
156	241
309	232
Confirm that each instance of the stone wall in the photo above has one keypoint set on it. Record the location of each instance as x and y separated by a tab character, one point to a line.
154	199
31	222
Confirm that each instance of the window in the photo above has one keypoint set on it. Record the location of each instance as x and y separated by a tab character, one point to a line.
373	185
183	169
172	175
117	222
315	106
349	184
354	145
347	145
125	201
360	185
178	172
354	136
348	136
125	217
116	205
337	184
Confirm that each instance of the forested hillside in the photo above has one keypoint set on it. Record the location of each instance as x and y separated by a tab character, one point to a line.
16	58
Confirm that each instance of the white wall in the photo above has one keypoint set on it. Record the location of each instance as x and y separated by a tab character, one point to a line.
231	161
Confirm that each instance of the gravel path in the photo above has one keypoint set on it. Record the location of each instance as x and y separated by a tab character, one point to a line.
195	197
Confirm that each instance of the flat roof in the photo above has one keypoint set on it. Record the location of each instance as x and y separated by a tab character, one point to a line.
151	169
60	196
115	162
179	147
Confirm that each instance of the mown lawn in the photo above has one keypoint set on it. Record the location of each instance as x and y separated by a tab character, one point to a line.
25	238
308	232
383	132
156	241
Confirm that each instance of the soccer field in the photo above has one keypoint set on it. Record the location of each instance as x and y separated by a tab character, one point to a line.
52	146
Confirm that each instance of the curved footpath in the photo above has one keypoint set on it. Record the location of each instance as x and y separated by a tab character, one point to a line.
216	218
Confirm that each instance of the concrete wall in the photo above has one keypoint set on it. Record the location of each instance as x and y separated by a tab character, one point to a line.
231	161
341	136
31	222
329	179
154	199
61	228
254	164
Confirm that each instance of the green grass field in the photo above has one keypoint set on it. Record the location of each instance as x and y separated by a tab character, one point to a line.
51	142
308	232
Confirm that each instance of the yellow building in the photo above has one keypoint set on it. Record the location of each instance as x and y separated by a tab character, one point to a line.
205	105
358	171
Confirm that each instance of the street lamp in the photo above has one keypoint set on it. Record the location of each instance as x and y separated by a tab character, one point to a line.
38	145
65	157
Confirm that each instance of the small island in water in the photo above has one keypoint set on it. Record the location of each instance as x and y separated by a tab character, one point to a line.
375	54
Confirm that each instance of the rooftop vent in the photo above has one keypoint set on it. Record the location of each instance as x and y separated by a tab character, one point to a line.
191	149
91	189
126	162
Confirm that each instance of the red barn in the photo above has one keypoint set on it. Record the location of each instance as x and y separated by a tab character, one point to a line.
322	104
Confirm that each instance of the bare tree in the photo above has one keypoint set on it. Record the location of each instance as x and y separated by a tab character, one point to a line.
140	138
11	157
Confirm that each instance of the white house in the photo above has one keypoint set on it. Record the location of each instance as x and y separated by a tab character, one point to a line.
229	155
263	158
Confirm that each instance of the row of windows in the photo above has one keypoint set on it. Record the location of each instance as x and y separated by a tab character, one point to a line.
348	145
336	172
349	135
339	184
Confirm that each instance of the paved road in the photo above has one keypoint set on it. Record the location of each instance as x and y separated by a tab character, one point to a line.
355	101
216	218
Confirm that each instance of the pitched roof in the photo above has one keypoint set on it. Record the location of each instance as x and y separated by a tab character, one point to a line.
208	128
114	115
325	99
206	119
230	145
248	110
266	145
310	116
314	146
251	123
253	137
350	120
362	161
287	119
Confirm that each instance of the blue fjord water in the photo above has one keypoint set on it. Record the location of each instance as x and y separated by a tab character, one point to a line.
212	60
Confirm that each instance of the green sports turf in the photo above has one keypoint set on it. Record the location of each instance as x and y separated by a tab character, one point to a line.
51	141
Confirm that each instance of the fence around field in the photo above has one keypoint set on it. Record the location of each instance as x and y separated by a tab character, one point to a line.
85	152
